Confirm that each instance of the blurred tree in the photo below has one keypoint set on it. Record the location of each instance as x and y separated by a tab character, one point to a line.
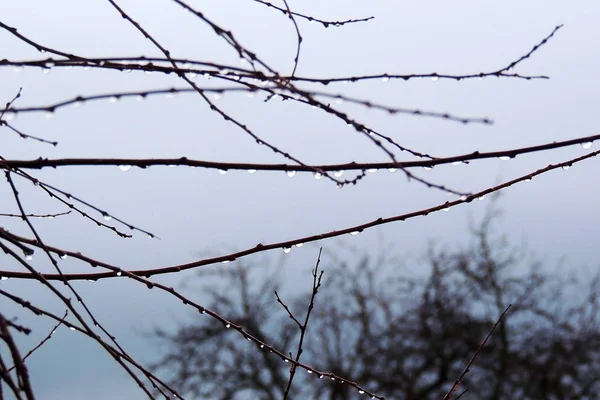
404	337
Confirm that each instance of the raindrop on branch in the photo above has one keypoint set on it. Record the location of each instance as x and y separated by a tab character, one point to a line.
338	174
291	174
354	233
222	171
586	145
287	250
124	168
318	175
504	158
251	171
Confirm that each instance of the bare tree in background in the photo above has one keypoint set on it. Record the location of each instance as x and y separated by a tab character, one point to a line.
253	75
401	335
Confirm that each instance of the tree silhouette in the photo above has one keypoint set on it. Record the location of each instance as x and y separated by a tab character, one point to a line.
403	336
243	330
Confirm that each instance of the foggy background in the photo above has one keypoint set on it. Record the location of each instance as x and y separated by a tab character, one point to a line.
198	213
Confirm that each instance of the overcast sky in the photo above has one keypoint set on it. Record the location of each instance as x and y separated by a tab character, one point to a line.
200	212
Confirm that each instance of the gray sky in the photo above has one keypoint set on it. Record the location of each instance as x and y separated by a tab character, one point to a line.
195	210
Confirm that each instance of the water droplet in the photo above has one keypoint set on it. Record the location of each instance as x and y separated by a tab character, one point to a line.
222	171
371	170
3	278
243	61
262	346
45	70
29	257
392	170
447	209
527	180
225	261
217	96
251	171
113	99
291	173
171	95
202	311
148	72
140	97
124	168
63	256
285	360
106	217
480	198
287	250
339	100
586	145
338	174
457	163
127	70
385	79
49	114
309	371
298	245
72	328
428	168
249	339
9	116
354	233
463	197
435	78
504	158
361	392
318	175
42	50
320	376
18	68
228	325
119	273
566	167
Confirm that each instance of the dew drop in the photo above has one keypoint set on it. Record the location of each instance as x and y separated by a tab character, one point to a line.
222	171
225	261
504	158
318	175
385	79
435	78
565	167
9	116
228	325
29	257
3	278
480	198
262	346
106	217
251	171
298	245
45	70
447	209
49	115
339	100
457	163
354	233
148	72
113	99
309	371
249	339
291	173
463	197
320	376
428	168
140	97
371	170
63	256
338	174
127	70
72	328
586	145
392	170
217	96
361	392
124	168
78	103
119	273
287	250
